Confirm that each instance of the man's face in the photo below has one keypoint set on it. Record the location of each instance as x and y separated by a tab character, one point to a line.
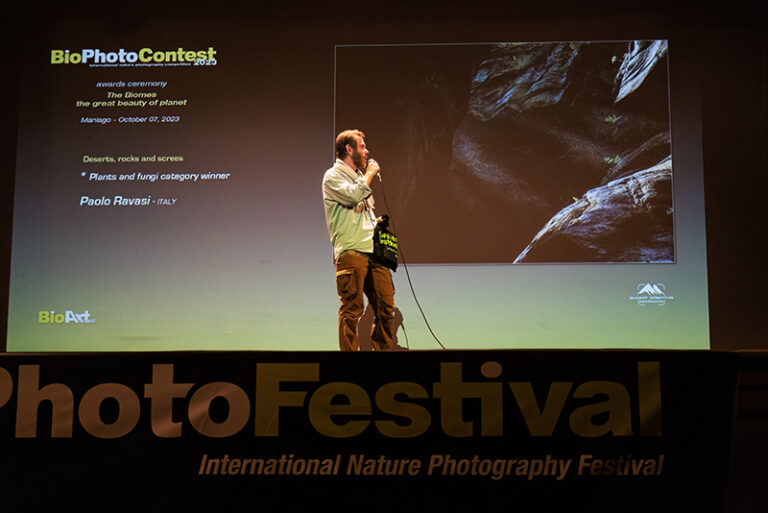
359	154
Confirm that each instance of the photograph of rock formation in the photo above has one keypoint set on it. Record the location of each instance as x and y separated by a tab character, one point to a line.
517	152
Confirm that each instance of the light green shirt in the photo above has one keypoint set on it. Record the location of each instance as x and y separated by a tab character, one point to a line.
348	209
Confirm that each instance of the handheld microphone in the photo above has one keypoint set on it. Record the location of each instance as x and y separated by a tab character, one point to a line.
379	173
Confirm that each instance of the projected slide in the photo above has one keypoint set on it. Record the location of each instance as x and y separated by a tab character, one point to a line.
168	190
521	152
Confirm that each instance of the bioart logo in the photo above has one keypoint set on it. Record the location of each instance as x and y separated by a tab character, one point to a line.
651	294
68	317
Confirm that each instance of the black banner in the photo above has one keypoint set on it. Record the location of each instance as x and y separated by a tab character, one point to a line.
489	430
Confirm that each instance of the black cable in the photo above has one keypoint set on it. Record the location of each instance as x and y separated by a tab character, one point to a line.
405	266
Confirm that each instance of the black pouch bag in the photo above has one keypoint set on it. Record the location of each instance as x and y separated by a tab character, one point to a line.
385	244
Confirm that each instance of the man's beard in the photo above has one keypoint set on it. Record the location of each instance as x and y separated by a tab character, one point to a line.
358	160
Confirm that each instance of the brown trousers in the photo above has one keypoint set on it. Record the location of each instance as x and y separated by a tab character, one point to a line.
358	274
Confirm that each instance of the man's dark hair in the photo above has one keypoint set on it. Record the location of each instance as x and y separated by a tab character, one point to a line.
344	138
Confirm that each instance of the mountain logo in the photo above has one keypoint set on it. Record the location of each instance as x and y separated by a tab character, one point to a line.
651	294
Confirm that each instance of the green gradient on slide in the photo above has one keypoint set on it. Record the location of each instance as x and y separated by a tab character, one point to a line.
469	307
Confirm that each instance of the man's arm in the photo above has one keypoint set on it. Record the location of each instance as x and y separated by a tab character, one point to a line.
340	189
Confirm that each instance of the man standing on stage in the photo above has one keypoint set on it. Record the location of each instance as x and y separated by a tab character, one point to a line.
350	219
